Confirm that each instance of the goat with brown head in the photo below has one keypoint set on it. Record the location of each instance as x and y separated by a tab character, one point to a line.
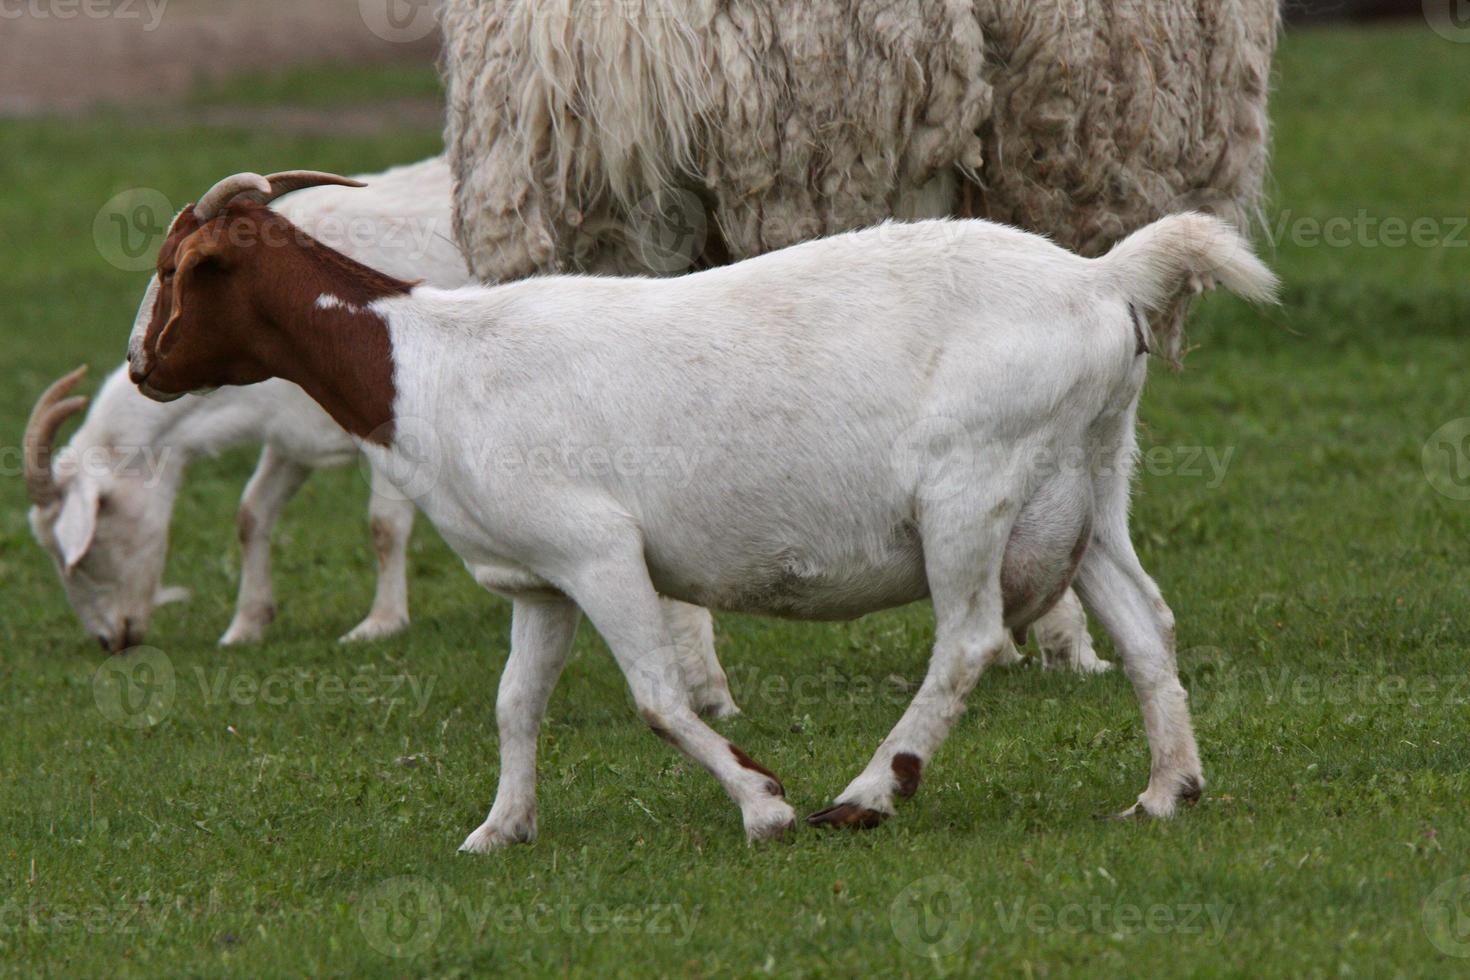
238	280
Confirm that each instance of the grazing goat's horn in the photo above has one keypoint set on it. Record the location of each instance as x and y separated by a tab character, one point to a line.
264	190
50	412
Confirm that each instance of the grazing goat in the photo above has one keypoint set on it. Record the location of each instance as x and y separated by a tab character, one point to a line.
941	410
102	510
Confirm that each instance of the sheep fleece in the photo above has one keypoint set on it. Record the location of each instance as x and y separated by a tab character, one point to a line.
792	119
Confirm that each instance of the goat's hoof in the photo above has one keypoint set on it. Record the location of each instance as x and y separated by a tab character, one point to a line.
1080	666
375	629
1161	804
1009	656
490	838
778	824
718	710
243	632
171	594
847	815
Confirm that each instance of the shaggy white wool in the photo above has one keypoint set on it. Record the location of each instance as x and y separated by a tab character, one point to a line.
790	119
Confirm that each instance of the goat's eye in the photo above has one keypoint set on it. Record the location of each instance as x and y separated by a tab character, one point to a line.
168	274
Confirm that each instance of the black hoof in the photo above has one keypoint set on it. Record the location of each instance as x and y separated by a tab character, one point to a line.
848	815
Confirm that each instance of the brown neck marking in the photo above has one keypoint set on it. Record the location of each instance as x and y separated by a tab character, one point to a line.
337	349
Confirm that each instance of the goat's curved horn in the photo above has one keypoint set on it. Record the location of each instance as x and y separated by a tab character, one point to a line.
52	409
264	190
296	180
221	194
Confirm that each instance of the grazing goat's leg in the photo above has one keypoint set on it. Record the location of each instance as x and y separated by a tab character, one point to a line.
275	481
964	545
692	630
390	518
1064	640
1130	607
619	599
541	637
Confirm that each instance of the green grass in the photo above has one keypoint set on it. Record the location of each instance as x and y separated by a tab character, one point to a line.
326	86
246	837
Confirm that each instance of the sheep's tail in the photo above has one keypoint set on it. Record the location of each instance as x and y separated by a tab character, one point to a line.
1158	267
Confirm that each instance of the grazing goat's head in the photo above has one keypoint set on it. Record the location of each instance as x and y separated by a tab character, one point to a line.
206	327
101	518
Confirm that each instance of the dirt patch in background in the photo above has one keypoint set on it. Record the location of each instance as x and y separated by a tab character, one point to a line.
68	56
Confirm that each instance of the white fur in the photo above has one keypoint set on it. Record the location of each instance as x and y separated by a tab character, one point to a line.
876	418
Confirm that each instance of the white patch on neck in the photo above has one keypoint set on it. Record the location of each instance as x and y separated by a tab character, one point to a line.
326	301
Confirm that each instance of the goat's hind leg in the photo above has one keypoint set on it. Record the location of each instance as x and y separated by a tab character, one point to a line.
692	630
1064	640
964	547
1130	607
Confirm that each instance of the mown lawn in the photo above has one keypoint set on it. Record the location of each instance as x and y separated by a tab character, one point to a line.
296	810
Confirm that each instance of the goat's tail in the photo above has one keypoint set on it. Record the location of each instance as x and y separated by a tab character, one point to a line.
1157	267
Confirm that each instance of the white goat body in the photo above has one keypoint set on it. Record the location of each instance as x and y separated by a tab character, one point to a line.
875	418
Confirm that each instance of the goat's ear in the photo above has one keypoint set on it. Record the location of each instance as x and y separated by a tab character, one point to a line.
77	524
198	249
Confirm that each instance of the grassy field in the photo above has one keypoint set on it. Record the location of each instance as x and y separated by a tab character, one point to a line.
297	808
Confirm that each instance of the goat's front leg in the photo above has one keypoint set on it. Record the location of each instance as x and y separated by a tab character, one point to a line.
618	597
963	550
542	631
1130	607
692	630
275	481
390	518
1064	640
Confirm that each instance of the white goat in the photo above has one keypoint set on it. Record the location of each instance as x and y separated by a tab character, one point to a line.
877	418
103	510
103	514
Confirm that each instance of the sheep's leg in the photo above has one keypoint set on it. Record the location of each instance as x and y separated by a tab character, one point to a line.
391	520
541	639
1064	640
275	481
964	579
693	632
619	599
1130	607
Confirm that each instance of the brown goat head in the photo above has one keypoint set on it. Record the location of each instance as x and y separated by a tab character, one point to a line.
236	303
